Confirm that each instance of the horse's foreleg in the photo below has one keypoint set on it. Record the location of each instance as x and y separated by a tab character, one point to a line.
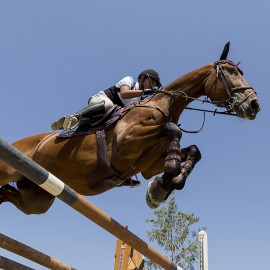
191	157
160	186
29	197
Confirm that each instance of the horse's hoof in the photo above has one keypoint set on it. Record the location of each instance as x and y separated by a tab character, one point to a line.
150	203
155	194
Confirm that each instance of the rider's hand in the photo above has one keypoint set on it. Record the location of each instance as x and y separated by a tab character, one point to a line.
149	91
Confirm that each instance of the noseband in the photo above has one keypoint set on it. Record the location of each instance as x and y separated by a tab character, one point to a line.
231	101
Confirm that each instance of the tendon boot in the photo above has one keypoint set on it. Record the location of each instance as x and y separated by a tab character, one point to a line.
71	121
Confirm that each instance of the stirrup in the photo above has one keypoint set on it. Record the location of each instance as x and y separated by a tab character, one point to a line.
58	124
66	122
70	122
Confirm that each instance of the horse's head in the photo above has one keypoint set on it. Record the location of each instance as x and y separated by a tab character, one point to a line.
226	87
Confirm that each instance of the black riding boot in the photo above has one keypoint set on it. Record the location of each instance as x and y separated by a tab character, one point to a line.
71	121
94	110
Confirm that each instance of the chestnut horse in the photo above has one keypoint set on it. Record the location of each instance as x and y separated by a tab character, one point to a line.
145	140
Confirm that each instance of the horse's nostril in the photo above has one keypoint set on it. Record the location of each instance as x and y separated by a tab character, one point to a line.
254	104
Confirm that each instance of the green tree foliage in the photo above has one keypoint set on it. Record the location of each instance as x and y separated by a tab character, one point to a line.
171	230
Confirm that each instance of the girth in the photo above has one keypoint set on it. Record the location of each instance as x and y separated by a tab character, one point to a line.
104	171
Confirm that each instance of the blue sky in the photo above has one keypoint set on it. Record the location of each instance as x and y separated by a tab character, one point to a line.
55	54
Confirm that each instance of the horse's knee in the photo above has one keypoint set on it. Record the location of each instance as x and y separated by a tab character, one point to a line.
28	198
172	165
38	209
37	202
35	205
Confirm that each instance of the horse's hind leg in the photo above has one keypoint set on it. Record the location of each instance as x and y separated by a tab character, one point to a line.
29	197
160	186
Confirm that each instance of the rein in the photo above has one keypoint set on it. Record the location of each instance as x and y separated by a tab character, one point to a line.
229	103
212	111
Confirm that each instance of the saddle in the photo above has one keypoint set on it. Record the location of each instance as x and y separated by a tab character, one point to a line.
92	125
98	126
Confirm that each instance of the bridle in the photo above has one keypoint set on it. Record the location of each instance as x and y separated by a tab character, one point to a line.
228	103
231	102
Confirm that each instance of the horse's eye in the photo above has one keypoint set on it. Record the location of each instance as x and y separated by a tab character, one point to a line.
232	70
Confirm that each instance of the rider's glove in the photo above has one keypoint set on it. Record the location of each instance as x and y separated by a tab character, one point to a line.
149	92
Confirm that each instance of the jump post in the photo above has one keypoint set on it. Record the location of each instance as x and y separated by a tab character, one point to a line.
203	250
57	188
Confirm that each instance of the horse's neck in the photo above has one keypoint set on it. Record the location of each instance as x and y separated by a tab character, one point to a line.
191	84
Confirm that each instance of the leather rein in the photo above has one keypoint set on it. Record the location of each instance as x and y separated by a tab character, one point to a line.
229	103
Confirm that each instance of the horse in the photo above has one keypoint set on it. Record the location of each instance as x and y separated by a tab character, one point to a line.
146	140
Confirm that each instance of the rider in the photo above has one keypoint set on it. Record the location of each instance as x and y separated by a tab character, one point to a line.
125	92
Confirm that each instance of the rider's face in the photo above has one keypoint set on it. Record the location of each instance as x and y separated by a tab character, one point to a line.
149	83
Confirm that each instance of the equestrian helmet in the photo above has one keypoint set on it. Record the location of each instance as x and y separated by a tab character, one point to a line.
150	73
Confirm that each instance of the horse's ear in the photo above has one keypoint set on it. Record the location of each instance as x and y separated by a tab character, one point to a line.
225	51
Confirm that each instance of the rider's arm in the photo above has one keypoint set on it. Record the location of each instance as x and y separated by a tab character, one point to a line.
126	92
128	89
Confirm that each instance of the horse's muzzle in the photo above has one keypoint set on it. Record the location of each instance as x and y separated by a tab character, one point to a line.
248	109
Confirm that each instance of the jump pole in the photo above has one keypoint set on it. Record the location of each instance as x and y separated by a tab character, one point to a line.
57	188
8	264
30	254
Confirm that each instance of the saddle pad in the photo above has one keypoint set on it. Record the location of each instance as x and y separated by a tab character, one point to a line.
90	126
